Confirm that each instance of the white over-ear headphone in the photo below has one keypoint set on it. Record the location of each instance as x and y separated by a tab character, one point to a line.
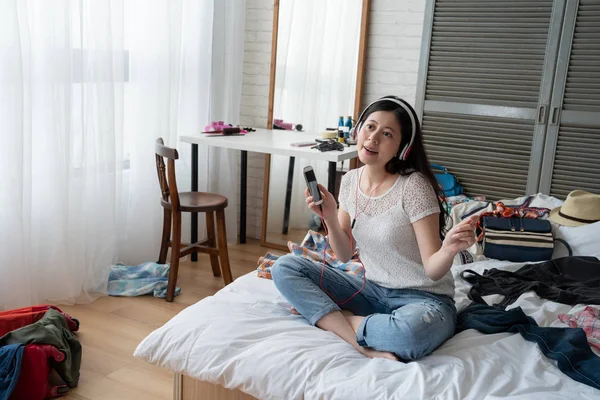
413	119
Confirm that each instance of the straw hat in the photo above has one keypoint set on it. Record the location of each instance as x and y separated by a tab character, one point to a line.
579	208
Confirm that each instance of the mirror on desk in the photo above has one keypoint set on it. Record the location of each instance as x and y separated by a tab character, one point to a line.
316	77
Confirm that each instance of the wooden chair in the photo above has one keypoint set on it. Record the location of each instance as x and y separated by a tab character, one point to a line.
174	203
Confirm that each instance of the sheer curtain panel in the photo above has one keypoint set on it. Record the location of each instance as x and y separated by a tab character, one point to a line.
86	87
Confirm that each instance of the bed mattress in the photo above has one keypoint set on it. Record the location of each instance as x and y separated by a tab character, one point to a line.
244	337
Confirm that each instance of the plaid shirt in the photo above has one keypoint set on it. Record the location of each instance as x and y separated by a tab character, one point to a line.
587	319
314	247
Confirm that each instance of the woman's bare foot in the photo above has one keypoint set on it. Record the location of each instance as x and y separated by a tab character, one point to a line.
367	351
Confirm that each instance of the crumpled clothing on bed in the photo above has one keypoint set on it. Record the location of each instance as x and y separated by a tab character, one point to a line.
587	319
315	247
312	247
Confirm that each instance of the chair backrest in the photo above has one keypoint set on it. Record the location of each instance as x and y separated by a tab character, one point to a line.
166	177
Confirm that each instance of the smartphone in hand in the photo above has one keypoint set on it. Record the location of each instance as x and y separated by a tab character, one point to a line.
313	187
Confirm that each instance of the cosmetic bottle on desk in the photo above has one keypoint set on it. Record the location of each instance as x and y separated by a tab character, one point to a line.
341	128
347	128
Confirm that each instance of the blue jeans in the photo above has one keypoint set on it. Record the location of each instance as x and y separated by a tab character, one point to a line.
410	323
568	346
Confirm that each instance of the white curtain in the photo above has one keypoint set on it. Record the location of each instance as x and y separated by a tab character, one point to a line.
317	58
86	87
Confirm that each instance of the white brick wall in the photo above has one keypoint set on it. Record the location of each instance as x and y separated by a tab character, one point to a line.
393	51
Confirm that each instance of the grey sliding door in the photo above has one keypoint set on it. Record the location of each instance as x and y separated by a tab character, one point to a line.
572	153
484	90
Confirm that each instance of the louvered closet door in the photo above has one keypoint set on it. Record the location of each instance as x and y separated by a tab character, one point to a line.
484	89
572	154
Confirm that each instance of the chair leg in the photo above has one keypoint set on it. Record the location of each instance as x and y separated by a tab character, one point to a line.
175	247
223	254
166	236
210	232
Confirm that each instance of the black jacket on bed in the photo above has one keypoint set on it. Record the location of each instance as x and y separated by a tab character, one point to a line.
568	280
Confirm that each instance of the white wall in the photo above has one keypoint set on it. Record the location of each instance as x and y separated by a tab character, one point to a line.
393	51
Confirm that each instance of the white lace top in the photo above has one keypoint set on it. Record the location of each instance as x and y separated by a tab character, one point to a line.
384	234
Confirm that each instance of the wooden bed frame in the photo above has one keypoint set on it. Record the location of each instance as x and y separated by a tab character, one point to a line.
186	388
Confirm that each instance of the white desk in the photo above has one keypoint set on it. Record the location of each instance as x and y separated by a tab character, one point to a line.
273	142
264	141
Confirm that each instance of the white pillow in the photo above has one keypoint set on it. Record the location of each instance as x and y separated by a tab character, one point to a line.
584	240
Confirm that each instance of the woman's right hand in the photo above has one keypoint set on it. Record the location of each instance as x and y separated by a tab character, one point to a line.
327	209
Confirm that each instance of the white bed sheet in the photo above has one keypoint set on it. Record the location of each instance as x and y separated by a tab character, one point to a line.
244	337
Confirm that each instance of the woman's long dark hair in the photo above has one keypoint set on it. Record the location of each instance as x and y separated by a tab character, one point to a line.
417	158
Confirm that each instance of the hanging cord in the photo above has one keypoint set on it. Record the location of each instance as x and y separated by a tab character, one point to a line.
351	246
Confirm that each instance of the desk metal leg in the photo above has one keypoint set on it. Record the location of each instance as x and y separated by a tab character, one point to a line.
331	177
243	194
288	196
194	236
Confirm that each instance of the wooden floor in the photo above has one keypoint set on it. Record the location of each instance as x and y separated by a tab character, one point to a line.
112	327
294	235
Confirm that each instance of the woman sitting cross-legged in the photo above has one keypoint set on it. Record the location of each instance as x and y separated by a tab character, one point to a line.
389	209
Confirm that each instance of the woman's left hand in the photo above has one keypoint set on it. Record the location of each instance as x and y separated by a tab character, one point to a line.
461	236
